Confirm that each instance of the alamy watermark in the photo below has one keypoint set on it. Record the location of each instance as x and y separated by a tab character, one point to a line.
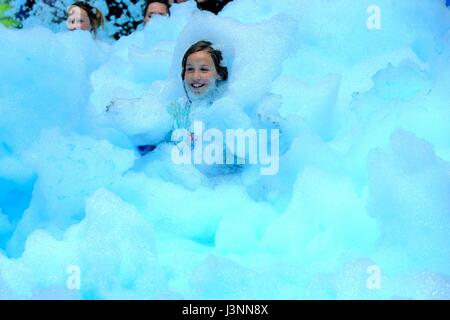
238	146
74	279
374	280
374	20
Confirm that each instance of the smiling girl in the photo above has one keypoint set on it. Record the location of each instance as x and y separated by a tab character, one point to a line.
203	78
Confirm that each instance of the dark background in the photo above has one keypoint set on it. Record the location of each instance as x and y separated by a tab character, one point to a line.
117	11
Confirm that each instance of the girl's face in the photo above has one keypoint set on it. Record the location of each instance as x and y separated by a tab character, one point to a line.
78	19
200	74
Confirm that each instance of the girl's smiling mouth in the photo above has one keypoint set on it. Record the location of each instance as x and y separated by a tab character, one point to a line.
197	85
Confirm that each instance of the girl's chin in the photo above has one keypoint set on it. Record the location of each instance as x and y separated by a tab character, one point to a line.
198	93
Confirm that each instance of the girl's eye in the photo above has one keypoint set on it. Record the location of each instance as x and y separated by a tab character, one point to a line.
204	69
190	69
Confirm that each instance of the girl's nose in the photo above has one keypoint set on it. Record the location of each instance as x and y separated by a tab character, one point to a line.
197	75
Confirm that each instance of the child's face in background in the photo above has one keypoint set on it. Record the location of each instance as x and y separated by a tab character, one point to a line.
200	75
155	8
78	19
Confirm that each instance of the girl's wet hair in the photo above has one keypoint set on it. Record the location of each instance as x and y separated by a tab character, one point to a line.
95	16
216	56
